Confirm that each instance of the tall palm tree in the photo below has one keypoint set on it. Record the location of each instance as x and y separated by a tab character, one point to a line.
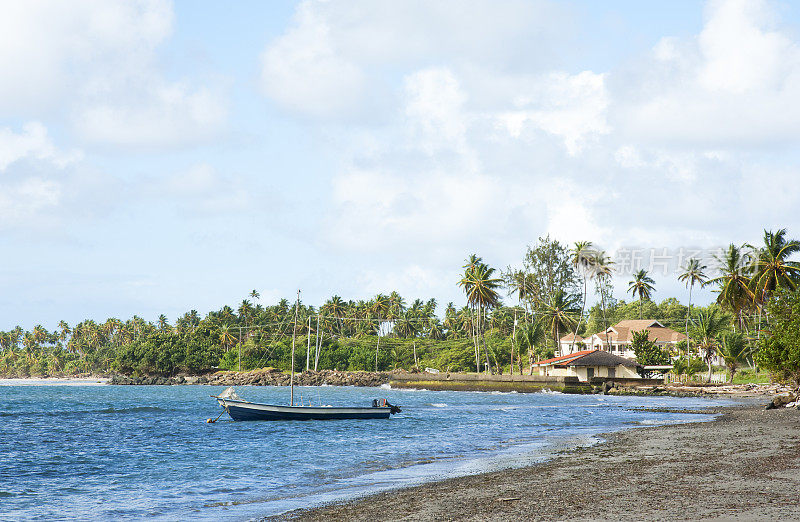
528	337
692	274
163	323
603	268
334	307
583	256
642	285
523	284
380	308
64	331
397	305
225	337
481	289
559	315
773	270
735	267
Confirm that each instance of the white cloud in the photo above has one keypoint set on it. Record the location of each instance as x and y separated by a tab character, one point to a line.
331	62
572	107
24	200
169	114
735	84
304	72
411	280
202	190
32	142
570	215
434	110
95	63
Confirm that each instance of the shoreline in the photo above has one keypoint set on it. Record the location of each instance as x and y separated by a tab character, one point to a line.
744	464
52	381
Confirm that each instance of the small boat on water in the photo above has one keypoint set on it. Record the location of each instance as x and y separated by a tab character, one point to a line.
242	410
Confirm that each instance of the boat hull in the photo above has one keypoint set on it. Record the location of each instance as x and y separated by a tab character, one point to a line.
250	411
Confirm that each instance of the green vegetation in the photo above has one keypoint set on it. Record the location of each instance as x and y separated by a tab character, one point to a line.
779	352
647	353
754	319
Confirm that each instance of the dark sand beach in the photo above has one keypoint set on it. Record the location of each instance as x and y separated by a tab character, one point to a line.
743	466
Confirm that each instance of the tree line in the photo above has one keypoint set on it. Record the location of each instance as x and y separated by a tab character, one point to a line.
546	298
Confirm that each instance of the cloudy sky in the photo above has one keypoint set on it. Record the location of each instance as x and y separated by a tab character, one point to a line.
157	157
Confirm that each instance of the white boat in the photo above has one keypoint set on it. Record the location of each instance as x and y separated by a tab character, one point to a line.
242	410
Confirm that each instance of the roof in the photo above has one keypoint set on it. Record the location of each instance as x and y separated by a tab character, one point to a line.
639	324
563	358
622	332
599	358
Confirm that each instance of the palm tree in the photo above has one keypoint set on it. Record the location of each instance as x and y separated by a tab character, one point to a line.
255	295
225	337
397	305
603	267
642	285
733	349
163	323
528	337
480	288
691	275
582	260
380	307
735	267
773	270
710	324
558	314
64	331
521	283
334	307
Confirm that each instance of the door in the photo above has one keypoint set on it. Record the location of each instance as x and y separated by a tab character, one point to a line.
612	372
589	373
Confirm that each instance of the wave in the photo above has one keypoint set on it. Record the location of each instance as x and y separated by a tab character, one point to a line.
136	409
438	405
385	386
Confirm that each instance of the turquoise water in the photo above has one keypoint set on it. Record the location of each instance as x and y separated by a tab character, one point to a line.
131	452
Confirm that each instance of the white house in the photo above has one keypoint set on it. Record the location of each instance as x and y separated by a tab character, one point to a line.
618	339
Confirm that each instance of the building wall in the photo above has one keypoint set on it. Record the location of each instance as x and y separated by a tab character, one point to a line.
620	371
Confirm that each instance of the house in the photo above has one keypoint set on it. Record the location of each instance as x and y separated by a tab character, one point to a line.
618	339
587	364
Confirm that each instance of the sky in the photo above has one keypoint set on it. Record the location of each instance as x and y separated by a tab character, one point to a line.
158	157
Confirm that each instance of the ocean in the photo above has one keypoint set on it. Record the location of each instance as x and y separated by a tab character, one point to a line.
77	451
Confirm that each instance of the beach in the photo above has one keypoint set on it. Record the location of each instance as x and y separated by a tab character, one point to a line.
745	465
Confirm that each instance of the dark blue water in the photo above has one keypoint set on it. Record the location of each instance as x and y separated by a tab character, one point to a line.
130	452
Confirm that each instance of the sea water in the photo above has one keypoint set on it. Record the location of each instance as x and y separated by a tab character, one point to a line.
131	452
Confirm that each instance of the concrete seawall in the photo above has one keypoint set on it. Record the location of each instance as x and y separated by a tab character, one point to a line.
507	383
479	382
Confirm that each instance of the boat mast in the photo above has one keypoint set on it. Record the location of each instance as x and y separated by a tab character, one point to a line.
294	334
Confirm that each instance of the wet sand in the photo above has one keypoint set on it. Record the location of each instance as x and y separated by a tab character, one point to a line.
743	466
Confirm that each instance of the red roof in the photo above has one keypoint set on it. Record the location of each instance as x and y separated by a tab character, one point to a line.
565	357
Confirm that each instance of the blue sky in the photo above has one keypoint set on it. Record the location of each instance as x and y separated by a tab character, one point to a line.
157	157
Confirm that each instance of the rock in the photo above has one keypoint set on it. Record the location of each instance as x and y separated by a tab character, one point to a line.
782	400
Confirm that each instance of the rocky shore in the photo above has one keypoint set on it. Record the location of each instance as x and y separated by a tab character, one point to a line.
264	377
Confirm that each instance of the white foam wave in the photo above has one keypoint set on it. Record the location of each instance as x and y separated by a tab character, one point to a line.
385	386
439	405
